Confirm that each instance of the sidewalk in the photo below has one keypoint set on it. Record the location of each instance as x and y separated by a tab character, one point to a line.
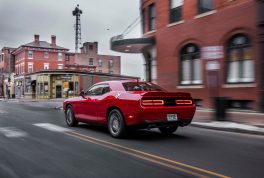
236	121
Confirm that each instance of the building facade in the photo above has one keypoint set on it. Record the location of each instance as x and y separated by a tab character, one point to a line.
7	69
51	84
20	67
202	47
90	60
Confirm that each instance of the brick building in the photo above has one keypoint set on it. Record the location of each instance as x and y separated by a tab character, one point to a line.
89	59
19	66
209	48
7	69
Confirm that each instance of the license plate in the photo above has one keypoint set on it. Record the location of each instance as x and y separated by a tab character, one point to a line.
172	117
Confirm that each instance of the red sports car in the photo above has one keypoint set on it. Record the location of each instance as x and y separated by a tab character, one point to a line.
121	105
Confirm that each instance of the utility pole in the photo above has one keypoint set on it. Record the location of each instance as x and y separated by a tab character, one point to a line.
260	22
77	12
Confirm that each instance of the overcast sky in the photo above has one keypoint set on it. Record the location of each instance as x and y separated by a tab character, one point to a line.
101	19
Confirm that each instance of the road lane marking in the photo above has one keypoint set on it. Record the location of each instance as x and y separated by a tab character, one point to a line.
52	127
150	157
3	112
12	132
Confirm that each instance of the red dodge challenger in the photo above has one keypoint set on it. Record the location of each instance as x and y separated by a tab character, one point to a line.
121	105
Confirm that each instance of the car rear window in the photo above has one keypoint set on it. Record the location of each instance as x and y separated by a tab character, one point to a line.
141	86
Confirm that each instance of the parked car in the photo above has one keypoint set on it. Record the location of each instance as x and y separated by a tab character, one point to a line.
121	105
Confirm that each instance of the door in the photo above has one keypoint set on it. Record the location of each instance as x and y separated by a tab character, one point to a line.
90	103
58	91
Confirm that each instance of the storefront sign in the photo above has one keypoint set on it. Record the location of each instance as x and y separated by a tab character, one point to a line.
212	52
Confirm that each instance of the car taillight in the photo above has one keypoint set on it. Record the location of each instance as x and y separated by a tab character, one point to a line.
152	102
184	102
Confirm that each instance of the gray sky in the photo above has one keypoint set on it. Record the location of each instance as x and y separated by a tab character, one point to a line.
21	19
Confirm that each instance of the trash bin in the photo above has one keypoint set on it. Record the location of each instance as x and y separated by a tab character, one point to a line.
220	108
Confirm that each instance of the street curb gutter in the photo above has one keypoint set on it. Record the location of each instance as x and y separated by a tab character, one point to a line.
236	130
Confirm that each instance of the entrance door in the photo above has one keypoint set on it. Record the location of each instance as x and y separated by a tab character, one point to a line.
58	91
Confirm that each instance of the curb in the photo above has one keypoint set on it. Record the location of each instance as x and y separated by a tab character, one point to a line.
235	130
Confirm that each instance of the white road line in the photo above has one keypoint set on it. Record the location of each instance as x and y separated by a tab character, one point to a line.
3	112
52	127
12	132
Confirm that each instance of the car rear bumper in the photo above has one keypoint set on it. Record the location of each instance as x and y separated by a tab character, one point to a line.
147	124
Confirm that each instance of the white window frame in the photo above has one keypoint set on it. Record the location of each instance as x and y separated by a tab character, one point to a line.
60	58
32	67
30	54
46	66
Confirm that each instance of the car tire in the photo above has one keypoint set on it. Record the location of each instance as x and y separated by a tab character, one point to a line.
70	117
168	130
116	124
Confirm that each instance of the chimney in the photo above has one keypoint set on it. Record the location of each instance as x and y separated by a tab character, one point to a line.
53	40
36	39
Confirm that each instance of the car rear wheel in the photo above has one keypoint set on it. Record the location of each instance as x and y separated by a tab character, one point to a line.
116	125
168	130
70	118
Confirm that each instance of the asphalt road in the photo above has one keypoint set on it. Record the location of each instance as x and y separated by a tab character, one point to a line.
35	142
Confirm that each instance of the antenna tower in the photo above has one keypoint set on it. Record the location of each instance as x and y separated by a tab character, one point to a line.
77	26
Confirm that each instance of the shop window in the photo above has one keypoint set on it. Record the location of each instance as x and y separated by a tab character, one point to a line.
46	87
41	88
191	69
240	66
175	10
76	89
152	17
205	6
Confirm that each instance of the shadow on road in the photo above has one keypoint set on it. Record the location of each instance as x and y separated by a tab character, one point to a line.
143	135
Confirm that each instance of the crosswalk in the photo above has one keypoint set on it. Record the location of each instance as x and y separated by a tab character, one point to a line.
13	132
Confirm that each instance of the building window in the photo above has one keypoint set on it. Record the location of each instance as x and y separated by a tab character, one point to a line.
205	6
111	72
67	57
60	66
100	63
30	67
240	66
30	54
110	63
191	69
143	16
90	61
46	66
152	17
90	47
46	54
175	10
100	71
60	56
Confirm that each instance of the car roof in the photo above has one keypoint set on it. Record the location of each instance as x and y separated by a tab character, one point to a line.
117	85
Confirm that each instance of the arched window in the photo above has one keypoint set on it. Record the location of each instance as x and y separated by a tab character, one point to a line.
240	67
190	67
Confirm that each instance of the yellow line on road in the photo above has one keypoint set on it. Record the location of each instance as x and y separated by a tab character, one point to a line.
151	156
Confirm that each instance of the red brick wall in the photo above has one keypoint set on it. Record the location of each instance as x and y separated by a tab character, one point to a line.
230	17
